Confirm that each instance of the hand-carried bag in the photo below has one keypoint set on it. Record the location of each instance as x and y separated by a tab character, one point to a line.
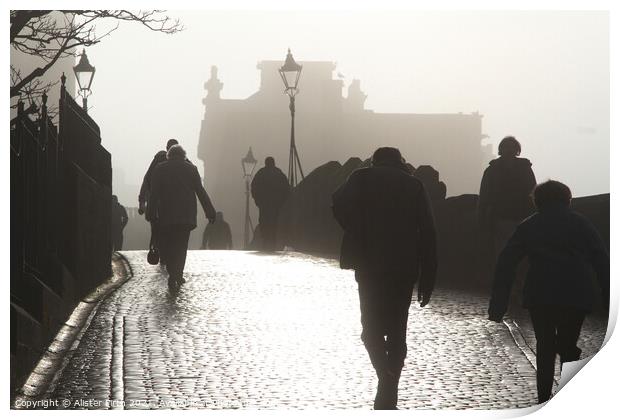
153	256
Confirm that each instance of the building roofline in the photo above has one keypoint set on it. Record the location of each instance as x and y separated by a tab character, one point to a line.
281	62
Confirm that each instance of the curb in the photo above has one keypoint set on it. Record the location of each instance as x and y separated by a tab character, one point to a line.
43	379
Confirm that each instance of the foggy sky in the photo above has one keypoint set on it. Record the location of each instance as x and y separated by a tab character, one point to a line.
540	76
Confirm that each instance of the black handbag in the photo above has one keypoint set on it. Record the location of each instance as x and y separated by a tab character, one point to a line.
153	256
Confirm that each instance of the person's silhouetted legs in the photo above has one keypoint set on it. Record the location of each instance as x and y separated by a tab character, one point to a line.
396	344
154	243
384	311
173	245
569	328
372	319
268	220
557	330
160	244
396	341
545	352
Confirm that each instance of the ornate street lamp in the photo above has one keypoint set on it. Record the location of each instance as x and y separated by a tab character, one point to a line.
248	163
290	73
84	73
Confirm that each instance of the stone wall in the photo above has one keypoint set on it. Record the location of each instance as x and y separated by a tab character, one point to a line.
307	225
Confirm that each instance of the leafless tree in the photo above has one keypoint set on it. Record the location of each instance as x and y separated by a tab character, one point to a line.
52	35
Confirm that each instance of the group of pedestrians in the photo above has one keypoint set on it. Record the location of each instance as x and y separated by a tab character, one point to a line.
168	200
390	242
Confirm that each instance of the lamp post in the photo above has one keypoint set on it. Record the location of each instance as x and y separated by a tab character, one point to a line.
290	73
84	73
248	163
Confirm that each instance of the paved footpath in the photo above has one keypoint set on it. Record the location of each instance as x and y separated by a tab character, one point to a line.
253	330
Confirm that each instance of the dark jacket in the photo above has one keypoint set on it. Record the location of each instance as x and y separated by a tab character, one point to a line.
505	190
145	188
270	188
175	184
561	246
386	214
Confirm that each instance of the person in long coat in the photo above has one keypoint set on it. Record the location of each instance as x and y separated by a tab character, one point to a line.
270	189
562	246
390	242
145	191
175	185
505	190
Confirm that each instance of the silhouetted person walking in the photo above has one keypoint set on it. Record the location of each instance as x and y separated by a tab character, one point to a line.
561	246
390	242
217	235
270	189
118	223
145	191
174	187
505	193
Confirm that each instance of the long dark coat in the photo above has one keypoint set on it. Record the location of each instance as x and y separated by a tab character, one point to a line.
174	187
270	188
505	190
145	188
386	215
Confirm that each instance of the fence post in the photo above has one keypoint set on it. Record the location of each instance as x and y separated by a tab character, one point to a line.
21	170
59	190
43	182
61	105
18	128
43	122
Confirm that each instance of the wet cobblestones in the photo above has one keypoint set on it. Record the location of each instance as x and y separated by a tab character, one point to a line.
252	330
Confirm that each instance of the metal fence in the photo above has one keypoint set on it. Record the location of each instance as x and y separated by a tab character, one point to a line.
61	188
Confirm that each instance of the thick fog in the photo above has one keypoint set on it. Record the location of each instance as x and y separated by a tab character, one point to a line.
540	76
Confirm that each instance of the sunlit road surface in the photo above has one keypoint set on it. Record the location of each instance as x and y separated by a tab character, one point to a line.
252	330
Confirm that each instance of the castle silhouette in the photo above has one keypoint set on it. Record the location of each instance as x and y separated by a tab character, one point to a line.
328	126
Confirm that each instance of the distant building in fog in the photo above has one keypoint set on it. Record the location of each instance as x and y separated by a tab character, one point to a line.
328	127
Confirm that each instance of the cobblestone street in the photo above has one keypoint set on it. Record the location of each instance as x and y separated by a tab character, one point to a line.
252	330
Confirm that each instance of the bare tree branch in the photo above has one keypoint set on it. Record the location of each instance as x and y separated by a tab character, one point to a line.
20	18
53	35
38	72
